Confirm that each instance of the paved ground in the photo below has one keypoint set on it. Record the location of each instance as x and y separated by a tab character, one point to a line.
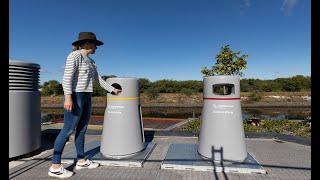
283	157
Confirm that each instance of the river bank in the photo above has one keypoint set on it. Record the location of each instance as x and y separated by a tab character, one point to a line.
264	100
286	105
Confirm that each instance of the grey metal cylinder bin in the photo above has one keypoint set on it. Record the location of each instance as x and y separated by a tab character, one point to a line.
123	133
221	135
24	108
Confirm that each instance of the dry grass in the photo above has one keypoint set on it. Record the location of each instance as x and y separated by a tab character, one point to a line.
289	94
176	98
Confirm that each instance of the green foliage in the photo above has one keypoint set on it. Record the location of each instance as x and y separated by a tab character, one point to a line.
166	86
51	88
284	126
249	128
98	90
195	86
275	125
193	125
227	63
249	85
255	96
152	93
295	83
145	84
301	129
187	92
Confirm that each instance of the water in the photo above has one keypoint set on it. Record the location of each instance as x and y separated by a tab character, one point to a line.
263	113
184	113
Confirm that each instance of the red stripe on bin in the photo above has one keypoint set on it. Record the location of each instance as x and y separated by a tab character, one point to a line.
221	98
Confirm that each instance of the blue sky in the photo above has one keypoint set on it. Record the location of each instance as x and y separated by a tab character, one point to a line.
164	39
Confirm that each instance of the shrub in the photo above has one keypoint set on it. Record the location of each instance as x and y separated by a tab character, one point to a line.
255	96
152	93
187	92
193	125
284	126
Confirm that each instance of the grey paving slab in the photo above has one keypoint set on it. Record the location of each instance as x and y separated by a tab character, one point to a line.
92	150
190	159
281	160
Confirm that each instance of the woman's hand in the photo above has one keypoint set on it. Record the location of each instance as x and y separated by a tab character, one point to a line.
117	91
68	105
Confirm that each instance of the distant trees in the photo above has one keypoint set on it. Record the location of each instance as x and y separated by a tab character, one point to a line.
152	89
228	62
296	83
145	84
97	89
51	88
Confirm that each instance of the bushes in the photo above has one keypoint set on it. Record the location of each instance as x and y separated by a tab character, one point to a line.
297	83
152	93
255	96
301	129
193	125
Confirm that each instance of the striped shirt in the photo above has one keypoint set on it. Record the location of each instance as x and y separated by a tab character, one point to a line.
79	73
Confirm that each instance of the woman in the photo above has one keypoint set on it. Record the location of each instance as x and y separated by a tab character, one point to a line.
79	73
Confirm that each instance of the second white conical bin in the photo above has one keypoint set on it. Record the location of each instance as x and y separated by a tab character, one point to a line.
123	133
221	135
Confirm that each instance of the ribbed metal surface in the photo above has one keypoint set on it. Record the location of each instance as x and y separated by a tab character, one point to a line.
23	76
24	108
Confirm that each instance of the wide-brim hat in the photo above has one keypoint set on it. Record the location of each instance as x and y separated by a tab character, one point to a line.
85	36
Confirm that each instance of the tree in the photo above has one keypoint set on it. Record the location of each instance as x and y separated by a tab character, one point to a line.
228	63
144	84
51	88
97	89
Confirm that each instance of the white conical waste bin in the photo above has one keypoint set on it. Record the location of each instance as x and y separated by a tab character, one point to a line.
123	133
221	135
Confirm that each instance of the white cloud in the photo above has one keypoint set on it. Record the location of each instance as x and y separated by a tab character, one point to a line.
244	6
247	3
45	71
287	6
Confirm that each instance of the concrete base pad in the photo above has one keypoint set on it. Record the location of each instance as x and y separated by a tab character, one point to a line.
92	150
186	157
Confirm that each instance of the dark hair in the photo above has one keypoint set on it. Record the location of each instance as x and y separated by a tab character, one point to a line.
75	47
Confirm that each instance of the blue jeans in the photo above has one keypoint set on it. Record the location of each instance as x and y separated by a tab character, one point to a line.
77	120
